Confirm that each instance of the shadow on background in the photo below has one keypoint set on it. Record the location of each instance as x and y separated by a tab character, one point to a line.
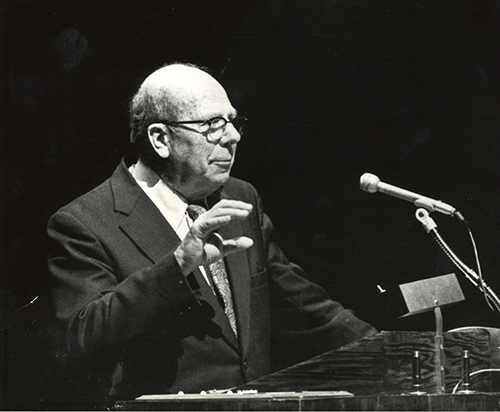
407	90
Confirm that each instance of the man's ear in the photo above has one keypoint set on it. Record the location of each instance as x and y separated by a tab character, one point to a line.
158	137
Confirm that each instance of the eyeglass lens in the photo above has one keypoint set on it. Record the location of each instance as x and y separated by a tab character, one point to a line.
218	126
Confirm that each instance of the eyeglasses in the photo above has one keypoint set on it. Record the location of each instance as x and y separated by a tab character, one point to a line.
214	128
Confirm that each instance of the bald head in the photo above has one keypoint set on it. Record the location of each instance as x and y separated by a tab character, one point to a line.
168	92
180	85
167	114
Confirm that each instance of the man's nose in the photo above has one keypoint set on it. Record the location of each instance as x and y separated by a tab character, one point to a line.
230	136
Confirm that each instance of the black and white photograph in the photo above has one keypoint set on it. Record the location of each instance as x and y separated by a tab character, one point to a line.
250	205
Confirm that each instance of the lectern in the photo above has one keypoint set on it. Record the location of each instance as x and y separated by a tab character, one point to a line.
374	373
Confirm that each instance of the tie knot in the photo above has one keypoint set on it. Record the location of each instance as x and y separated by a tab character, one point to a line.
194	211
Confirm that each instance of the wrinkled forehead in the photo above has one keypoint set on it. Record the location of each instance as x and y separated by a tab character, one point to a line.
205	100
192	92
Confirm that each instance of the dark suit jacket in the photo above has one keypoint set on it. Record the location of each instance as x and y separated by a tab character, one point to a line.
133	324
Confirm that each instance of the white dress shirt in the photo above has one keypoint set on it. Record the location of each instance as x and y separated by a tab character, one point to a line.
171	205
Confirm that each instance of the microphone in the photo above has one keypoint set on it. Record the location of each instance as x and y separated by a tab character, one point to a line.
371	184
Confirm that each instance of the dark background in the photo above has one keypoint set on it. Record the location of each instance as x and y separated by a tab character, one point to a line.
406	89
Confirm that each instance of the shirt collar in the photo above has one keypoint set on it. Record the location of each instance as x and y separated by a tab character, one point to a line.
171	204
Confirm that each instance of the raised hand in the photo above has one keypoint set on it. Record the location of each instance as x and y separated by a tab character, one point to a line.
202	246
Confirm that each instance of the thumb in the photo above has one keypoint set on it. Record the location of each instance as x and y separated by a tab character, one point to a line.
237	244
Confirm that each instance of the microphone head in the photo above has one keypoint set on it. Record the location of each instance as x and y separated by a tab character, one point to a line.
369	183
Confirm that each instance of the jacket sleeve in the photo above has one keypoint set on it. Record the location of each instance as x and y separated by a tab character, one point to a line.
305	320
96	309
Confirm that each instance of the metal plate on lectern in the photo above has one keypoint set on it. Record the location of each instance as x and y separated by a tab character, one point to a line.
424	295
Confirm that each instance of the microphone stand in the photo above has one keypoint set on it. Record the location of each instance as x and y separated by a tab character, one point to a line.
439	349
430	227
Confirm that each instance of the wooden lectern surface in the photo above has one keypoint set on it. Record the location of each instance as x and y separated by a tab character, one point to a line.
383	364
374	373
287	402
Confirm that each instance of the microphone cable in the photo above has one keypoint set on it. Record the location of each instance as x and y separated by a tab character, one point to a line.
477	280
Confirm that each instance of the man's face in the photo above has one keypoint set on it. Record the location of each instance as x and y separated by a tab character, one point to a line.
202	166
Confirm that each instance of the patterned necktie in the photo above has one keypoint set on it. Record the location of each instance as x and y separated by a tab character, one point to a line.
218	274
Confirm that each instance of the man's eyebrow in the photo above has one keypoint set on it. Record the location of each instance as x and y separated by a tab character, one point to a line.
231	115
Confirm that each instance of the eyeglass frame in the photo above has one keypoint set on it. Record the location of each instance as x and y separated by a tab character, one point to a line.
208	122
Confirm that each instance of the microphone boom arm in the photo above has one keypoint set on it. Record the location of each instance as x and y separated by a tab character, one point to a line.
431	228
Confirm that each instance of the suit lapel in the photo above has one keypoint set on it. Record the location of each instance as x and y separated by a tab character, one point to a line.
151	233
153	236
207	294
142	222
238	272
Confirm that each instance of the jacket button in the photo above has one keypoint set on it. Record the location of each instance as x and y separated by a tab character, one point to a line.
245	364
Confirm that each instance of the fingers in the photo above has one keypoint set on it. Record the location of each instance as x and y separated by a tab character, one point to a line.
202	245
217	248
220	215
234	208
204	227
237	245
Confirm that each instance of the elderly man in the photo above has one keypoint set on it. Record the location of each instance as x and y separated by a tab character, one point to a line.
168	276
